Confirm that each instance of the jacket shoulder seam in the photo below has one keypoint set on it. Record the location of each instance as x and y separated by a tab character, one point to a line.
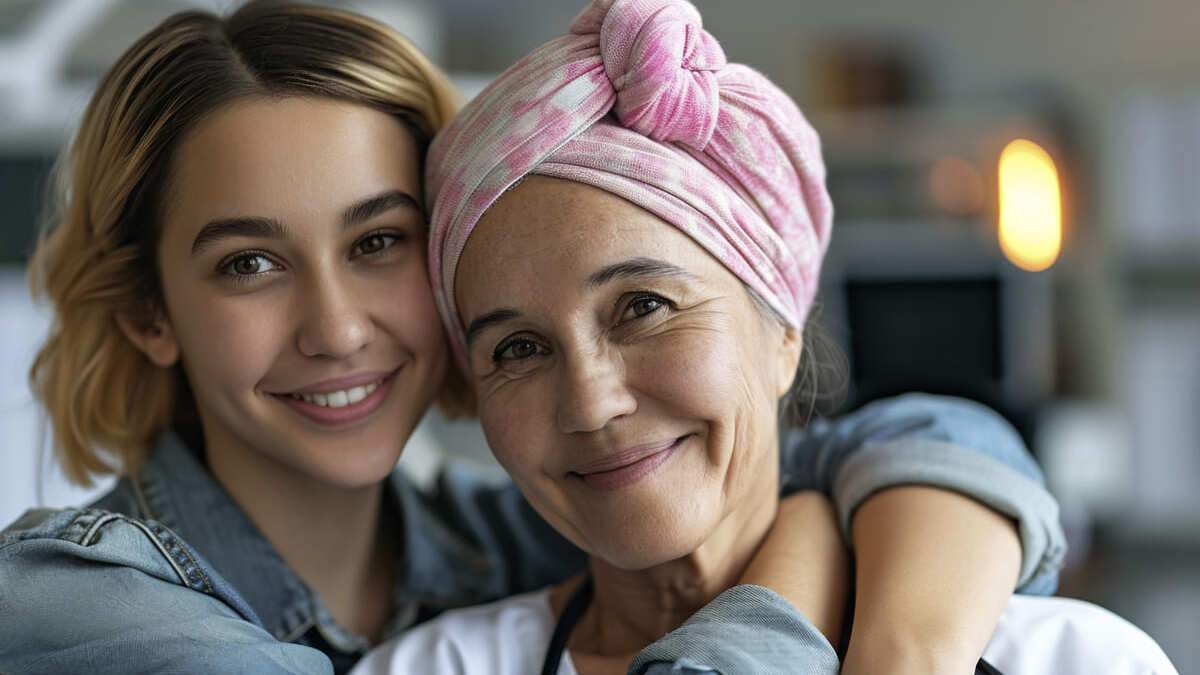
86	525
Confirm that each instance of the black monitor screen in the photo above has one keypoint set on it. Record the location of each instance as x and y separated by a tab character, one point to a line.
932	335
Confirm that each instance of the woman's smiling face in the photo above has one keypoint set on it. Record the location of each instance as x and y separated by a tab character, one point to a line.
625	378
292	262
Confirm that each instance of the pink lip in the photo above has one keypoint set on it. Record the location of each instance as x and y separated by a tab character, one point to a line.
347	414
628	467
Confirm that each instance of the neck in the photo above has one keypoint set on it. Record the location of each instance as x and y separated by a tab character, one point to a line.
334	538
633	608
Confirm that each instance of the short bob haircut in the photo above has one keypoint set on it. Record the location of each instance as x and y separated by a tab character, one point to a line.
97	256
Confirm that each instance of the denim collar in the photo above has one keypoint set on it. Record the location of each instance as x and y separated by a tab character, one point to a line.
438	569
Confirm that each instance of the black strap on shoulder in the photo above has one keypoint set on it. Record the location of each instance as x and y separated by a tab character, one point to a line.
985	668
576	606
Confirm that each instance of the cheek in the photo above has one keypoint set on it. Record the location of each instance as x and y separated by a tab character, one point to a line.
518	419
695	370
231	340
719	377
513	432
406	299
758	417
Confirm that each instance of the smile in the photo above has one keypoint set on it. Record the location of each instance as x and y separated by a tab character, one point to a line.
628	467
340	398
340	402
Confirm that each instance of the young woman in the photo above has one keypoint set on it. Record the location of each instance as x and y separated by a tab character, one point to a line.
245	333
625	241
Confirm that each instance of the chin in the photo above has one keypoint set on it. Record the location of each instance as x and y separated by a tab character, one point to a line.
637	557
349	479
350	468
648	544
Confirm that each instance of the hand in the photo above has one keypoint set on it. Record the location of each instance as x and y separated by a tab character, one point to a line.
805	560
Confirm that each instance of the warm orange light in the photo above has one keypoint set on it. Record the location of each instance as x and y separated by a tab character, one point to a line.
1030	206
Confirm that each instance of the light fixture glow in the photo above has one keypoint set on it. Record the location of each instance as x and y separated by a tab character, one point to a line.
1030	206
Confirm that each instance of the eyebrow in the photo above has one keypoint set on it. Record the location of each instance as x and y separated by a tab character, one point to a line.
382	203
270	228
485	321
636	268
214	231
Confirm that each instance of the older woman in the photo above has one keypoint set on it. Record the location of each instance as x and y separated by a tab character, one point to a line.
626	239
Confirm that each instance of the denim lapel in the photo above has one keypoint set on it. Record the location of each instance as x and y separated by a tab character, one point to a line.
178	491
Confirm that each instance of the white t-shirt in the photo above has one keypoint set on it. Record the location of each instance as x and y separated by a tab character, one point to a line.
508	637
1035	636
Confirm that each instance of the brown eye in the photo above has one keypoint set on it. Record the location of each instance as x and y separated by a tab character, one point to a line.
642	305
523	349
517	349
374	243
247	265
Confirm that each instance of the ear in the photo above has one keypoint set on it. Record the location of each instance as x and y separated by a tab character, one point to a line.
791	345
153	337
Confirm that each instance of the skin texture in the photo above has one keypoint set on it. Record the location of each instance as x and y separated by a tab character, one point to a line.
934	572
253	317
576	370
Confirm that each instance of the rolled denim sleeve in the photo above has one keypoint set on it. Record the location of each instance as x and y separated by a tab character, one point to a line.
945	442
746	629
87	592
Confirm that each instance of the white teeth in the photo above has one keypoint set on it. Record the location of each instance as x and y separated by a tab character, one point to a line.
339	399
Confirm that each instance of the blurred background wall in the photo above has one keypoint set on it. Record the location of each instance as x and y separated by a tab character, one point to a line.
1090	346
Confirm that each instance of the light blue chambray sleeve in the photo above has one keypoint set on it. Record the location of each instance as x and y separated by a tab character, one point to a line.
951	443
83	595
746	629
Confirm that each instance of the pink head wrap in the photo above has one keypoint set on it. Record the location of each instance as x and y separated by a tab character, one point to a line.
711	147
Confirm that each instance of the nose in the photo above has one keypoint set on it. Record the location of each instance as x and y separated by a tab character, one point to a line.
592	391
336	322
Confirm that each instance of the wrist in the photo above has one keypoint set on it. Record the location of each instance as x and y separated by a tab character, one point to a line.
908	652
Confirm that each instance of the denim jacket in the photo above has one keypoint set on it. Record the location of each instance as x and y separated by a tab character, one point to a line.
167	573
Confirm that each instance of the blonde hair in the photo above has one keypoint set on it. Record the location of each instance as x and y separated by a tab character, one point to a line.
97	257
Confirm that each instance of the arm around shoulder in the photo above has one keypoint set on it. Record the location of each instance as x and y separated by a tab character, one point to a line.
942	442
943	503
